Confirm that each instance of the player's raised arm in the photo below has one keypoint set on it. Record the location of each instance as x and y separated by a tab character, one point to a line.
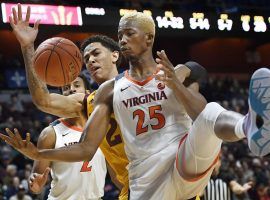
176	82
93	134
51	103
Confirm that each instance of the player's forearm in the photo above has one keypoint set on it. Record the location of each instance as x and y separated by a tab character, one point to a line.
113	177
193	101
37	88
73	153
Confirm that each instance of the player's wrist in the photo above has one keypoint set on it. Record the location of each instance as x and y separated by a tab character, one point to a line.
175	84
35	191
27	45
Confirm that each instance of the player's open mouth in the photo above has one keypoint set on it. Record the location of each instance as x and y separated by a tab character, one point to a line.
94	70
124	49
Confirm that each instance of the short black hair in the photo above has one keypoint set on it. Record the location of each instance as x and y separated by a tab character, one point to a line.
105	41
86	83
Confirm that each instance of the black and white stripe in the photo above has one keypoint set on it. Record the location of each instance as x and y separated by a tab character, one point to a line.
217	189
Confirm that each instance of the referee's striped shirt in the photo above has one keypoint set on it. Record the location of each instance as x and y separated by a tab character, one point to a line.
217	189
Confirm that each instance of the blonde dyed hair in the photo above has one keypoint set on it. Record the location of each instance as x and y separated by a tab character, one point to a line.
145	21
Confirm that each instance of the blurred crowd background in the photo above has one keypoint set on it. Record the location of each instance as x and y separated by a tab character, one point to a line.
227	84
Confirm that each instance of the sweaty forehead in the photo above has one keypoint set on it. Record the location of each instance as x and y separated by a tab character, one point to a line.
91	47
78	79
127	24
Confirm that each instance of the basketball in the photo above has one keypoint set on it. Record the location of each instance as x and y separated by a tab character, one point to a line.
57	61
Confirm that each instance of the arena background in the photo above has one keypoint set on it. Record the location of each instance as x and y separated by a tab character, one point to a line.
229	38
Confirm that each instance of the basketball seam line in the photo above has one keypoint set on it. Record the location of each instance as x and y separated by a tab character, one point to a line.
48	61
37	55
64	74
78	67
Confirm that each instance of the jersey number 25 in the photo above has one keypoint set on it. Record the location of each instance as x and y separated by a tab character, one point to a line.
153	114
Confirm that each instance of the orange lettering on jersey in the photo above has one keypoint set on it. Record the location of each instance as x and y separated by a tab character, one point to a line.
85	167
154	114
147	98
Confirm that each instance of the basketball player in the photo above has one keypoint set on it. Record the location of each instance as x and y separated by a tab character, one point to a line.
155	110
101	57
79	180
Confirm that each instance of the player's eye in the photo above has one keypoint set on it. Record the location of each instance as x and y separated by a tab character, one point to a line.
96	53
120	36
66	88
130	33
86	58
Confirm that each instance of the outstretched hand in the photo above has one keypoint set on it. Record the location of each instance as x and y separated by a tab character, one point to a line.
164	64
26	147
37	181
25	34
247	186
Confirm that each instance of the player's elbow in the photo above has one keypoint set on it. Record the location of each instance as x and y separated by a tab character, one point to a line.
88	151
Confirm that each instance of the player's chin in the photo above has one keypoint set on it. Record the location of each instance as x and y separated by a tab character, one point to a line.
97	77
128	55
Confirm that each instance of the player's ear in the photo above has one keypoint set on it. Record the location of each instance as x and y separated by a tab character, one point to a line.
149	38
115	56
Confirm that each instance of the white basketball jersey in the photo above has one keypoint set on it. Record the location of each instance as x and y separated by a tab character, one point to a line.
152	123
78	180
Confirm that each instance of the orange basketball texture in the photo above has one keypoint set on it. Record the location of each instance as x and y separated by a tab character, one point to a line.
57	61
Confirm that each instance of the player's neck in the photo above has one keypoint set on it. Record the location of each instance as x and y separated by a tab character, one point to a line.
142	67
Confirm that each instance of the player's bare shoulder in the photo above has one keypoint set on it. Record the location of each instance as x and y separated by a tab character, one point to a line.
47	138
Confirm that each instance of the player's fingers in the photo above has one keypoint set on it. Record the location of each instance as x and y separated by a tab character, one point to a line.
36	25
11	143
162	55
166	65
17	134
18	138
10	133
19	12
32	179
11	22
167	59
160	77
27	18
6	138
167	71
46	173
13	140
27	139
15	17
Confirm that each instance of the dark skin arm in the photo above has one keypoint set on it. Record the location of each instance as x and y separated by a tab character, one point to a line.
113	177
41	170
93	134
